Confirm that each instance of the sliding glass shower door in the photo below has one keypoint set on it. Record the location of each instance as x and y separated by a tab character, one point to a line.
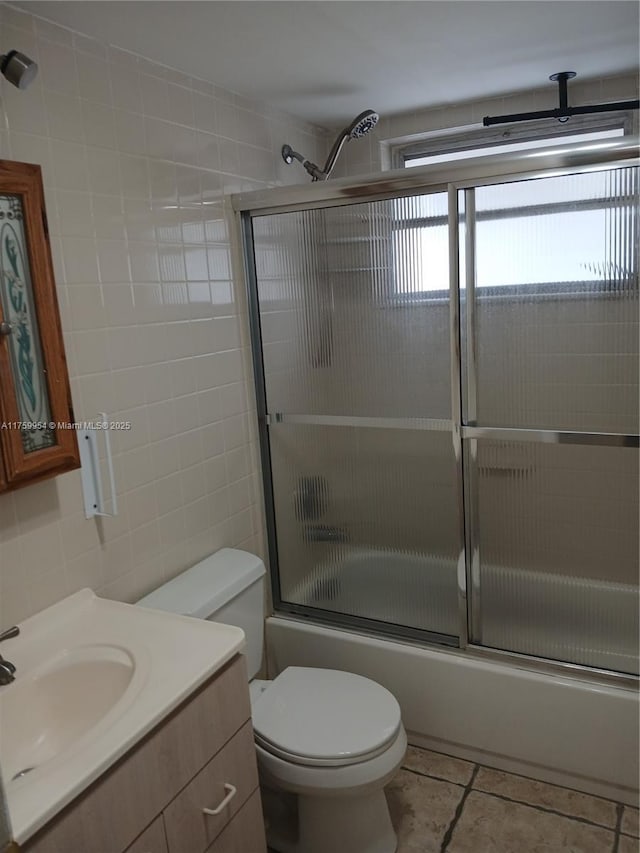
448	395
550	299
358	397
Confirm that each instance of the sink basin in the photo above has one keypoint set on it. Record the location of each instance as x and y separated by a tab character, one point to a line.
59	703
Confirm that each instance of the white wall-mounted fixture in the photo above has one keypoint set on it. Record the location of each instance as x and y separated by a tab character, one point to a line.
90	471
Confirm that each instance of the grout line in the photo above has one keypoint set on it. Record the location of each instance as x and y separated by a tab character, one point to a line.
616	838
468	788
431	776
545	809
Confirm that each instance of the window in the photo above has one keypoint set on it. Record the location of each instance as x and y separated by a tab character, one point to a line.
556	235
570	219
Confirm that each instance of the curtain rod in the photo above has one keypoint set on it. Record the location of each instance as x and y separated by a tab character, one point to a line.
563	112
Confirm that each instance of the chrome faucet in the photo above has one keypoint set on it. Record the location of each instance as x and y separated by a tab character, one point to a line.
7	669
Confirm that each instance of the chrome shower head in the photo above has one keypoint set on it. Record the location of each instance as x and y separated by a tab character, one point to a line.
18	69
362	124
359	127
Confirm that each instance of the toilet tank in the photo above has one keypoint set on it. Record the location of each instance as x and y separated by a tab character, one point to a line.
228	587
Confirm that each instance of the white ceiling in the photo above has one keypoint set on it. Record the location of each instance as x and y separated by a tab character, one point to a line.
327	61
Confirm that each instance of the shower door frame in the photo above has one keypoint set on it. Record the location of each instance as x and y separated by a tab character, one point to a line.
452	178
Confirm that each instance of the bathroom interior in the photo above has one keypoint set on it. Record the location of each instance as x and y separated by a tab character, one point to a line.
319	404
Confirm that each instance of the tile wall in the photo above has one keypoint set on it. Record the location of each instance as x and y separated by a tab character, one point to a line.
136	160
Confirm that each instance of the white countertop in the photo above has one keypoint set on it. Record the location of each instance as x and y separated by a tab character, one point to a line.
171	656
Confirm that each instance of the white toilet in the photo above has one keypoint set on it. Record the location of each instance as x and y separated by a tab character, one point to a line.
330	739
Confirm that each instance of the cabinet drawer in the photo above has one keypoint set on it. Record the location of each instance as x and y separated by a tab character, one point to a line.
152	839
187	826
245	833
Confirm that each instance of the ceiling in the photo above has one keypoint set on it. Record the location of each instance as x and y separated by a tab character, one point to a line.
327	61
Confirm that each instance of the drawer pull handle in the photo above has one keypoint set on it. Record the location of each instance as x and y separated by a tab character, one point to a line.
232	792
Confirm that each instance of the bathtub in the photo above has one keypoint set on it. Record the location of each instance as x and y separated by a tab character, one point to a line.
563	729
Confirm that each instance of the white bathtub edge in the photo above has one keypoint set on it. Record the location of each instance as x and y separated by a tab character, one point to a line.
557	729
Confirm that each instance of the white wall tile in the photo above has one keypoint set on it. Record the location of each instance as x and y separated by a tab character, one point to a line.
125	88
104	171
99	124
143	258
57	68
75	213
80	260
24	110
155	96
180	105
93	78
108	215
130	132
113	266
70	171
64	117
87	311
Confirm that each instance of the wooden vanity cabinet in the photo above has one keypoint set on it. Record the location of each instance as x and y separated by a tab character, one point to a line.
152	800
152	840
35	398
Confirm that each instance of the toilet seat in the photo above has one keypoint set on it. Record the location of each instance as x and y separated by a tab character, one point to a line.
325	718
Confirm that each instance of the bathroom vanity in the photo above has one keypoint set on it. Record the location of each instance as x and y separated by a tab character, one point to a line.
143	742
152	800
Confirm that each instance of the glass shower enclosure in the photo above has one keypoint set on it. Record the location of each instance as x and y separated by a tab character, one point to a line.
446	365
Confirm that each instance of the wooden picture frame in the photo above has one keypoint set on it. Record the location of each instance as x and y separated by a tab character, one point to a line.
35	397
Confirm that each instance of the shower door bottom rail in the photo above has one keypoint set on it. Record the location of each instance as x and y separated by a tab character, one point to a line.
362	625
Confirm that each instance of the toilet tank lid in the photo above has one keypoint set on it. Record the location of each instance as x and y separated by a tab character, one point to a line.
207	586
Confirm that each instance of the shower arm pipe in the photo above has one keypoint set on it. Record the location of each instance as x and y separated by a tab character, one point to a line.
288	154
316	172
563	111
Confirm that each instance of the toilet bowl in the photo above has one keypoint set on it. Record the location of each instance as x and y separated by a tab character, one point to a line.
334	739
327	741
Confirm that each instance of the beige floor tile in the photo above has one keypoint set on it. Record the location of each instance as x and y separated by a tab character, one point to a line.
421	811
491	825
436	764
628	844
572	803
630	821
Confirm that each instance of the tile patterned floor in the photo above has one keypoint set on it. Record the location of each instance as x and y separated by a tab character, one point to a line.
441	804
